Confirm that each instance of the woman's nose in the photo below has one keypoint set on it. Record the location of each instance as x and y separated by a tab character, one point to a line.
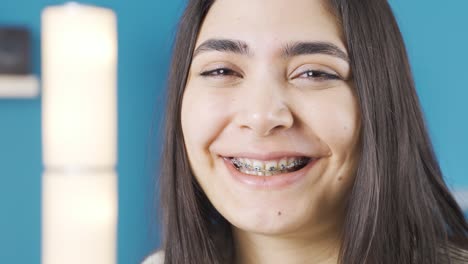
264	111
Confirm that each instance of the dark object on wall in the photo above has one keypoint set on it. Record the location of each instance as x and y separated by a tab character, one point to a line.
14	50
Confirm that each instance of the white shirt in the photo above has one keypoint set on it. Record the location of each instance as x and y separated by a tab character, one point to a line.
458	256
155	258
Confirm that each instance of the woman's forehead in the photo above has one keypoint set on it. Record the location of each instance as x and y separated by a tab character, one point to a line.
269	25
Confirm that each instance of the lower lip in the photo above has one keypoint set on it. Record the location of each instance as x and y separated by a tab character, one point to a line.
277	181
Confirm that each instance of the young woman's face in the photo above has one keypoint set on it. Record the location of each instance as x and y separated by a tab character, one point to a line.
269	117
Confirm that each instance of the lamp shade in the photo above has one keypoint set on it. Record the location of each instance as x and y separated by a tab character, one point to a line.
79	54
79	217
79	135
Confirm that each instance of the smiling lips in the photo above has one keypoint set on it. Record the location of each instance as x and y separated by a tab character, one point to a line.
272	172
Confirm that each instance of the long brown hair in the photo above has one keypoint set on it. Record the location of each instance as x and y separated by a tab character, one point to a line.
399	209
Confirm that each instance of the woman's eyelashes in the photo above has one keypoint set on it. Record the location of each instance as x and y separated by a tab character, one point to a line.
318	75
313	75
220	72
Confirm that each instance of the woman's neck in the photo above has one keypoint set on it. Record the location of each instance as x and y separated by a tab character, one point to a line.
292	249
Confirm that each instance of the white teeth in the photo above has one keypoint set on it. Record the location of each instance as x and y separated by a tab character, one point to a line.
268	168
247	163
283	164
271	165
258	165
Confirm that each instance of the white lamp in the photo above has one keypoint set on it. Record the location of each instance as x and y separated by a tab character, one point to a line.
79	124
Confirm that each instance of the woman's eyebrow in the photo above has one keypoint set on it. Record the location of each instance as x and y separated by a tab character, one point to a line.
290	50
223	45
305	48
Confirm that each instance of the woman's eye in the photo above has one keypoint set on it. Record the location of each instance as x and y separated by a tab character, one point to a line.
219	73
319	75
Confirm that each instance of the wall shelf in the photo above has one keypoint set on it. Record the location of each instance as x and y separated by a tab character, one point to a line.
18	86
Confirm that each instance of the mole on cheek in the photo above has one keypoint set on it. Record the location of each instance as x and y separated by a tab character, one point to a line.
279	213
340	178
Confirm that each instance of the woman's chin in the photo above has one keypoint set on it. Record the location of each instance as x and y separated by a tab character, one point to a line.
267	223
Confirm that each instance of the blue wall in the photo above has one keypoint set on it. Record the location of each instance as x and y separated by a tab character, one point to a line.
145	32
436	36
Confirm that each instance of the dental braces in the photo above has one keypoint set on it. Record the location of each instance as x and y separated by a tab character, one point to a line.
282	168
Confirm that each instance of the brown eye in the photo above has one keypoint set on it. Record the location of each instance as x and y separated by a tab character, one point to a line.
318	75
220	72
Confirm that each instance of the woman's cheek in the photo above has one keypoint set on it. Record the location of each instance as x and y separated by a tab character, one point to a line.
339	129
347	121
204	115
333	117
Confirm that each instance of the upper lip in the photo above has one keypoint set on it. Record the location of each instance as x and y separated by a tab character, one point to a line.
267	155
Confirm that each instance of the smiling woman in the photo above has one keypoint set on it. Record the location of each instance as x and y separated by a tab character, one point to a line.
294	135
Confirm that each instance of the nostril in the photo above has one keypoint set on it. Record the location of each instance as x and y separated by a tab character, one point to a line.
265	120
